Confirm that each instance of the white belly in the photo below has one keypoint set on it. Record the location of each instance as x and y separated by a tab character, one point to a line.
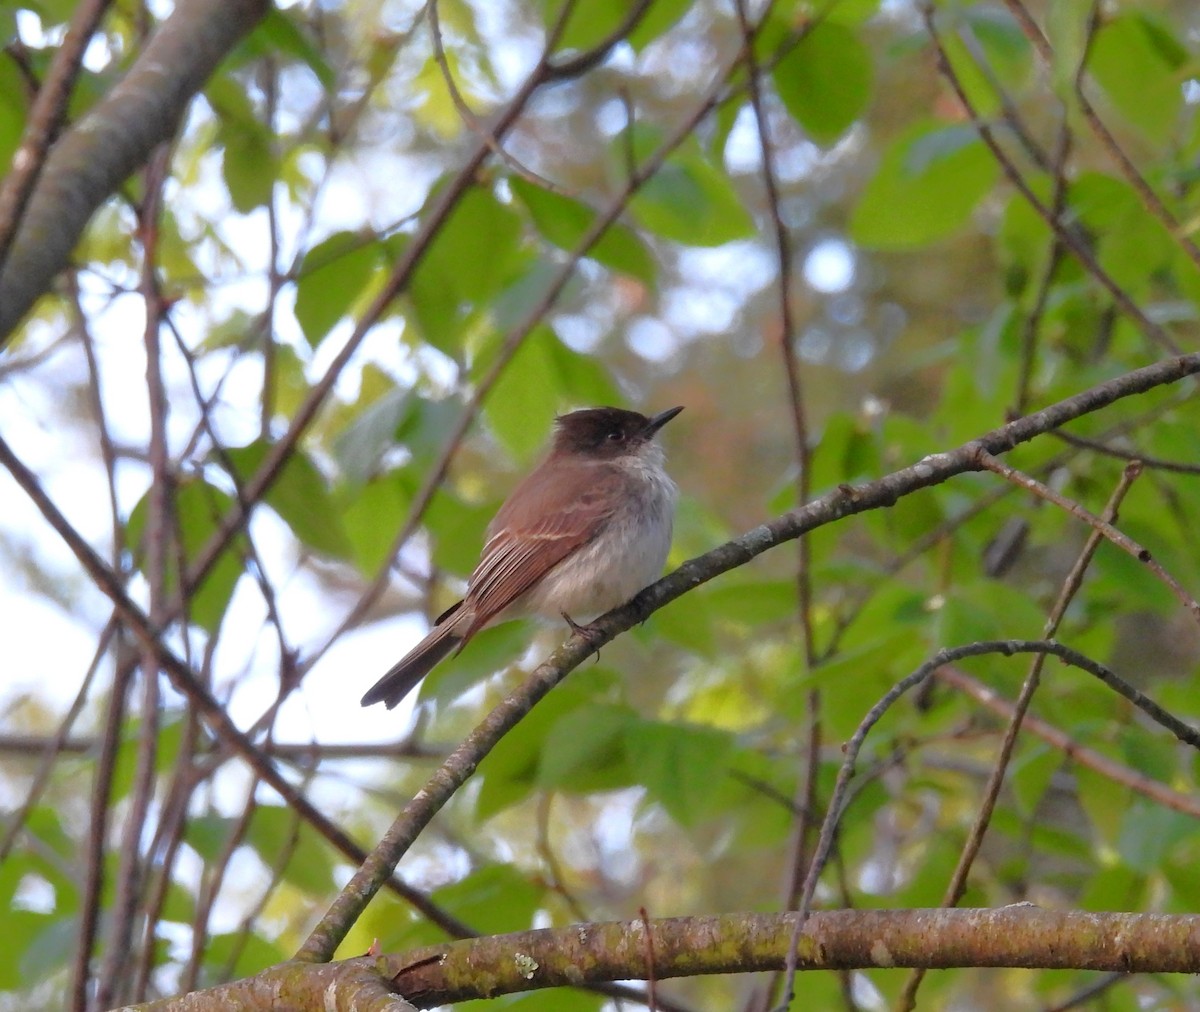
627	556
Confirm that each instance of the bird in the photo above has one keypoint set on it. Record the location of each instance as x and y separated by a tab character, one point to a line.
586	530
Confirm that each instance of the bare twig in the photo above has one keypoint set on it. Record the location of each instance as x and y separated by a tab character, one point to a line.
957	885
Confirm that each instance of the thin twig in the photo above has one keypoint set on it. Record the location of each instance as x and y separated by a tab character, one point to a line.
1070	237
957	885
1118	538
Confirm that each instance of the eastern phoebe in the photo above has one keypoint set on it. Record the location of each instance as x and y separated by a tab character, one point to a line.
584	532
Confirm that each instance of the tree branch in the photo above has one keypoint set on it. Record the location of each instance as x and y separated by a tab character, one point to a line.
1021	935
95	156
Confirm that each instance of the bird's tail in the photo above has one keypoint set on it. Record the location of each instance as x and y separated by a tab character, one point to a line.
416	664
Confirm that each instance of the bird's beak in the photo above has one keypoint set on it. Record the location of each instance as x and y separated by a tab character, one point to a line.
661	419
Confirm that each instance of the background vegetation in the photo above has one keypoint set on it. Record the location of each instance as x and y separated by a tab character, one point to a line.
273	356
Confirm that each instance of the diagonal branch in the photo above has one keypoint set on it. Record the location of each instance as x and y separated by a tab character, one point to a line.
842	502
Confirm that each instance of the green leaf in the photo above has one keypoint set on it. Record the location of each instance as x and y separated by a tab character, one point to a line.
249	164
275	833
689	201
14	106
678	765
1149	832
1030	774
332	277
249	951
361	446
49	949
475	253
198	509
926	186
300	496
169	738
373	513
1133	246
564	221
281	32
543	378
509	772
490	651
495	899
390	420
1140	66
208	834
591	22
552	999
753	602
585	750
825	81
457	528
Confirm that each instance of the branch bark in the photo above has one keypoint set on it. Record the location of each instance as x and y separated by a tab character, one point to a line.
99	153
1021	935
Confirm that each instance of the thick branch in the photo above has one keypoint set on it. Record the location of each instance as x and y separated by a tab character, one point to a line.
1021	935
92	159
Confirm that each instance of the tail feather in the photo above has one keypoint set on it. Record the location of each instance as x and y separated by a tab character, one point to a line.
415	665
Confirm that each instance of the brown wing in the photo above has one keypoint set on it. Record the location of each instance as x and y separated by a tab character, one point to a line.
521	550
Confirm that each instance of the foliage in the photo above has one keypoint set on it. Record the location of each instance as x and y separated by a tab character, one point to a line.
350	296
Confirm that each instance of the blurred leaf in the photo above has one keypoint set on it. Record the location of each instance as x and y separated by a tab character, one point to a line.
1030	774
14	105
169	738
1133	245
457	528
564	221
687	623
434	105
825	81
208	834
280	31
990	610
1139	588
275	833
510	770
551	999
592	22
585	750
1003	42
689	201
494	899
854	681
471	257
198	509
1104	803
361	446
50	945
1140	65
928	182
250	163
753	603
678	765
300	496
1148	832
490	651
373	515
249	952
332	277
542	378
847	452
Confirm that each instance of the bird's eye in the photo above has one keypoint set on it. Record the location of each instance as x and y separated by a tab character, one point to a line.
613	436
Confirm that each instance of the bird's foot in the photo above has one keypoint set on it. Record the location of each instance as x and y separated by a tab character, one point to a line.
588	632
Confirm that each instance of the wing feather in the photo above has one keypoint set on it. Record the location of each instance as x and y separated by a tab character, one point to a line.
519	553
